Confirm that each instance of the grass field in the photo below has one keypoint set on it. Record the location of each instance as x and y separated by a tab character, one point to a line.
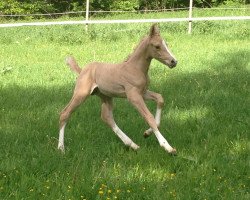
206	116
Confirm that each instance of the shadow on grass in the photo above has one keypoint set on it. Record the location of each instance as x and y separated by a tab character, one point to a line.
214	101
206	112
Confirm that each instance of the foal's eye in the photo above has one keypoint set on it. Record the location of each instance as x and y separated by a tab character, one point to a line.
157	47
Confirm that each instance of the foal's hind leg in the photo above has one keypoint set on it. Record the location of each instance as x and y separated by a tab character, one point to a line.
107	116
160	102
82	91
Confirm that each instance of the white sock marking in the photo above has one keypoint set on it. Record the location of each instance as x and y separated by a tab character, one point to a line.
158	116
163	142
126	140
61	138
157	120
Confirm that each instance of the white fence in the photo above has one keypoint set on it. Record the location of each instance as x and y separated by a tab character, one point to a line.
125	21
87	21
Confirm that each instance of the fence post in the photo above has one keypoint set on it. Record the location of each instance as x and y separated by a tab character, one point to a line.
190	16
87	15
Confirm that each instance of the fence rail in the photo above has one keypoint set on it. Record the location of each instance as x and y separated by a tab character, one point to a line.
126	21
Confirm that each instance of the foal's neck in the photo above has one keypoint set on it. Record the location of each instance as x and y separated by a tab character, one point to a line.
140	59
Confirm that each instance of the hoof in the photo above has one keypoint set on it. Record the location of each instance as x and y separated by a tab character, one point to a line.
173	152
134	146
61	148
145	135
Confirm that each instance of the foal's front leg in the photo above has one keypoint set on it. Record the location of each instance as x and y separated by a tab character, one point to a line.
136	99
160	102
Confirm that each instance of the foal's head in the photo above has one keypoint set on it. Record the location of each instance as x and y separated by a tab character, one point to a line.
158	49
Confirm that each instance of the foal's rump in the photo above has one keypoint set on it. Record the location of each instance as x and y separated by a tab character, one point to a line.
100	79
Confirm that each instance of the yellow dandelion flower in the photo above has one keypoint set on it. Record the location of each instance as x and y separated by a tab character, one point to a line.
109	191
100	192
172	176
117	191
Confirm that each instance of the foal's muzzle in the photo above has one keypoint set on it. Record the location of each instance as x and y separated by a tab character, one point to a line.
173	63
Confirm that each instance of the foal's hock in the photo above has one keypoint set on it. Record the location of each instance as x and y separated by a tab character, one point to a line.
128	79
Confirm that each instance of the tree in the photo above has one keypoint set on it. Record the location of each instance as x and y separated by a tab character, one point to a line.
51	6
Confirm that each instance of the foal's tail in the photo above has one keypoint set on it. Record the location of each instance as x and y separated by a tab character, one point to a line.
71	62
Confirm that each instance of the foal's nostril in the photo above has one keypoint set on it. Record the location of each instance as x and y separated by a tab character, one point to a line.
174	62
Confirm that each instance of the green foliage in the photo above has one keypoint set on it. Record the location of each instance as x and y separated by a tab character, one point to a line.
25	7
233	2
125	5
52	6
101	5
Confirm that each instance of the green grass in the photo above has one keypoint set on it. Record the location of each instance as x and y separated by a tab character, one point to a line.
206	116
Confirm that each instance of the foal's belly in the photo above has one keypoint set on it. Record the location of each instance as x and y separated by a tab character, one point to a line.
114	91
108	80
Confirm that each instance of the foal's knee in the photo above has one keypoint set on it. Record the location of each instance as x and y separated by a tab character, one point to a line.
63	118
160	101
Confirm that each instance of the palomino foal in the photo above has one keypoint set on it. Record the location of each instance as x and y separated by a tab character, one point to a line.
128	79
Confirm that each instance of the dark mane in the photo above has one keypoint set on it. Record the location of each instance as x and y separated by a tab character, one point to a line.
137	46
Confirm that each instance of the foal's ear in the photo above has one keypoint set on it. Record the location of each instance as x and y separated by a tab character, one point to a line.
154	30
